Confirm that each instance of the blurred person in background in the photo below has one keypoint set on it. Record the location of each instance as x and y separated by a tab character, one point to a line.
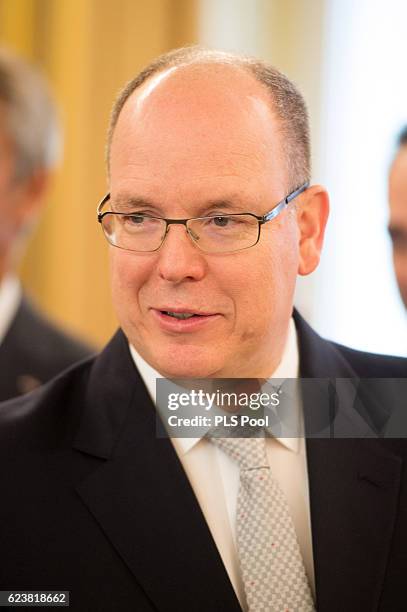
398	213
32	350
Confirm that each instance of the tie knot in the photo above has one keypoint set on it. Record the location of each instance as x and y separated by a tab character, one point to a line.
248	453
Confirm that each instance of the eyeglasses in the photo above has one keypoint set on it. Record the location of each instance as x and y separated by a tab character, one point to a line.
214	234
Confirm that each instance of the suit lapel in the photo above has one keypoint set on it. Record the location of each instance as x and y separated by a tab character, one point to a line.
144	504
141	497
353	485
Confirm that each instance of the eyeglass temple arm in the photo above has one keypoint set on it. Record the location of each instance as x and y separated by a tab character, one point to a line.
102	202
284	203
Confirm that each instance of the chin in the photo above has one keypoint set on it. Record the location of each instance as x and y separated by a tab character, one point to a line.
189	370
179	363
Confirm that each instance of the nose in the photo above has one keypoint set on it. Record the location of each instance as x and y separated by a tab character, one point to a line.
179	259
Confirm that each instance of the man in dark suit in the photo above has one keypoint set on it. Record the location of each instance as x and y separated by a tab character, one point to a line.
205	248
32	350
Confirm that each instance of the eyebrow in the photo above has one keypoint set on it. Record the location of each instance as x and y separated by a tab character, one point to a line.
124	203
227	205
129	204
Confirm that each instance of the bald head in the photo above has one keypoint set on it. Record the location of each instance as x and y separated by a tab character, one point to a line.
216	74
208	114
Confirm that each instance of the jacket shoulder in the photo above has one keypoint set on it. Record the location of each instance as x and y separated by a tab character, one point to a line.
34	350
47	415
320	358
32	330
373	365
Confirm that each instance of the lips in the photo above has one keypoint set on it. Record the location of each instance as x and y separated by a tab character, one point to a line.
180	315
182	319
184	312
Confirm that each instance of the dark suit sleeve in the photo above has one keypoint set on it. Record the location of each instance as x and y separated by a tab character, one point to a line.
34	351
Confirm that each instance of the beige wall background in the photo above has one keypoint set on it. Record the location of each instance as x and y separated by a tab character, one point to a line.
88	49
291	34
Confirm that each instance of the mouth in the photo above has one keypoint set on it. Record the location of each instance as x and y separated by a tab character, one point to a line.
182	319
180	315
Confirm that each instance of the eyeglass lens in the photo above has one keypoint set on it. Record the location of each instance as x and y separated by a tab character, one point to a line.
211	234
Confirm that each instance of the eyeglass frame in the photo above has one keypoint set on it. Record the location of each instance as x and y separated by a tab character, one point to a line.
261	219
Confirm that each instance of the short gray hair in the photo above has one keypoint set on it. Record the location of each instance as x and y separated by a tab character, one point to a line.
31	118
287	101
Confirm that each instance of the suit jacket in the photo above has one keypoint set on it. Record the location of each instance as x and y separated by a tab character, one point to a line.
33	351
93	502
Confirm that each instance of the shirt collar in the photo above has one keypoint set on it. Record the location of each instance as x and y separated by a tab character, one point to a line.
10	296
287	368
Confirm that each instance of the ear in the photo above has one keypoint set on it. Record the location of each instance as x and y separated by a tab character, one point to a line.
31	197
312	215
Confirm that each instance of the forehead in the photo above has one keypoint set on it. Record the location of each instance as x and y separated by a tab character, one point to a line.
202	124
398	185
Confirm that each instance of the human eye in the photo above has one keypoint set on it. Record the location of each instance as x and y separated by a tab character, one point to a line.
136	223
226	227
133	219
224	221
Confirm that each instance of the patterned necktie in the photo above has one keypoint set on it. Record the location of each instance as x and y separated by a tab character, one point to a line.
272	568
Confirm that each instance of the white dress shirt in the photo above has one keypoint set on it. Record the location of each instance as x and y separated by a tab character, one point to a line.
10	296
214	477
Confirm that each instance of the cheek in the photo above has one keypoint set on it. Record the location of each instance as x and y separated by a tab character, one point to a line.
264	294
280	259
119	272
128	273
